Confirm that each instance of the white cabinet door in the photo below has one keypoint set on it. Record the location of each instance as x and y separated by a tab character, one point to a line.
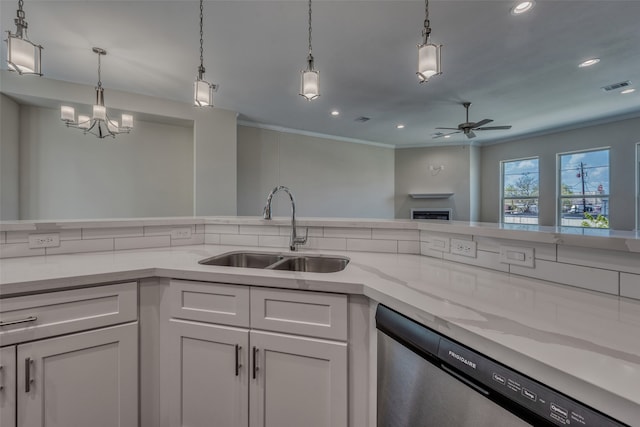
8	386
208	370
85	379
298	381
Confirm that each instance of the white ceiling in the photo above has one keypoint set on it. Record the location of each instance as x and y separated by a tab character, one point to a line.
517	70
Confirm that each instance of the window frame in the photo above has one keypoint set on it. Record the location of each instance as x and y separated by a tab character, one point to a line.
559	196
502	194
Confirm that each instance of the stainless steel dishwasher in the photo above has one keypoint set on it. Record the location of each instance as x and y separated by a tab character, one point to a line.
427	380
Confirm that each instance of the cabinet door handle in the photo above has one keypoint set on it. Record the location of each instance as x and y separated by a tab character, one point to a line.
238	364
28	364
15	322
255	363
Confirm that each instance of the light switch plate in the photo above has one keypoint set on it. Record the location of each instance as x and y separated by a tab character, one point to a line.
49	240
463	247
517	256
181	233
440	244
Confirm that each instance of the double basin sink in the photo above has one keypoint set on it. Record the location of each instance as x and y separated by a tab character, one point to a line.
279	261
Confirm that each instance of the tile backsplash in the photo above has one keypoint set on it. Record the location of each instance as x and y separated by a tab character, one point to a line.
603	270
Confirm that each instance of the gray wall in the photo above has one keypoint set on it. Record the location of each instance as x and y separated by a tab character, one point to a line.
413	175
621	136
66	174
329	178
213	144
9	158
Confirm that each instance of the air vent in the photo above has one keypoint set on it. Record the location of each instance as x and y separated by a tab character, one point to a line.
362	119
616	86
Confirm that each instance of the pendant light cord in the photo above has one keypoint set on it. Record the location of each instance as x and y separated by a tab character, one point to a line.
21	24
426	31
201	68
310	57
99	71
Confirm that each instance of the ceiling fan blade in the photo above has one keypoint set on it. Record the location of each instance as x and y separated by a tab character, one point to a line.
445	134
470	134
495	128
448	128
482	123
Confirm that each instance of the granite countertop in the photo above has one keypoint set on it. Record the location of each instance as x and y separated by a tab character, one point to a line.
581	343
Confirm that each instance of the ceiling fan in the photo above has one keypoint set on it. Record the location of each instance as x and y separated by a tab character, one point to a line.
468	127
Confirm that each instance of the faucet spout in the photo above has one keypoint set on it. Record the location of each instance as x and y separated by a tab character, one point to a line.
294	239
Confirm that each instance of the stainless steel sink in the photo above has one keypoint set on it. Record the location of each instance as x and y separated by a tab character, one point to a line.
243	259
312	264
278	261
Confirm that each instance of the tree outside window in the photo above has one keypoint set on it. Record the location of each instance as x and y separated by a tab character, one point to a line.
584	189
520	191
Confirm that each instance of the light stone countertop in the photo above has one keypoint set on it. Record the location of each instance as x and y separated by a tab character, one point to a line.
584	344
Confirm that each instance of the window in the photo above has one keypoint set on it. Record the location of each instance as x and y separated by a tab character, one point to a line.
584	189
520	186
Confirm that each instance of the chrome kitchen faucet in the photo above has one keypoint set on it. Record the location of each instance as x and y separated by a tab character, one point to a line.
294	240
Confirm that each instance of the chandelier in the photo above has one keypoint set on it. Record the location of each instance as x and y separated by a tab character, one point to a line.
310	82
202	90
100	124
428	53
23	56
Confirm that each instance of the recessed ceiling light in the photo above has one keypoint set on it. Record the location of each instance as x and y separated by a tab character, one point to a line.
335	113
401	126
522	7
589	62
447	136
626	91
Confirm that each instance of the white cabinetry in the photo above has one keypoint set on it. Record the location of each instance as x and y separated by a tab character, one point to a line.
248	372
85	378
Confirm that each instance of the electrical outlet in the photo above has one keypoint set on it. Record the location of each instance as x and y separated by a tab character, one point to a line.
49	240
181	233
463	247
517	256
440	244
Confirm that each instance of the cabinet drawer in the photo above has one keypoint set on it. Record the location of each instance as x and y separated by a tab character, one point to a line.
299	312
210	302
33	317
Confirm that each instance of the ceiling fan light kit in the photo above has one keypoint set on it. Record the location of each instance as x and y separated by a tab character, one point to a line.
429	54
23	56
100	124
310	79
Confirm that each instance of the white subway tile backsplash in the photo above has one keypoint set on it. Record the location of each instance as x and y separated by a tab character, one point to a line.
165	230
122	243
325	243
370	245
313	231
212	239
3	237
408	247
347	233
221	228
238	239
13	250
76	246
609	260
425	236
595	279
395	234
545	251
427	251
23	236
260	230
483	259
274	241
111	233
630	285
200	228
195	239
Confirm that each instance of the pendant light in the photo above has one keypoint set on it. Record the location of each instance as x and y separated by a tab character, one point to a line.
310	79
100	124
23	56
428	53
202	90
